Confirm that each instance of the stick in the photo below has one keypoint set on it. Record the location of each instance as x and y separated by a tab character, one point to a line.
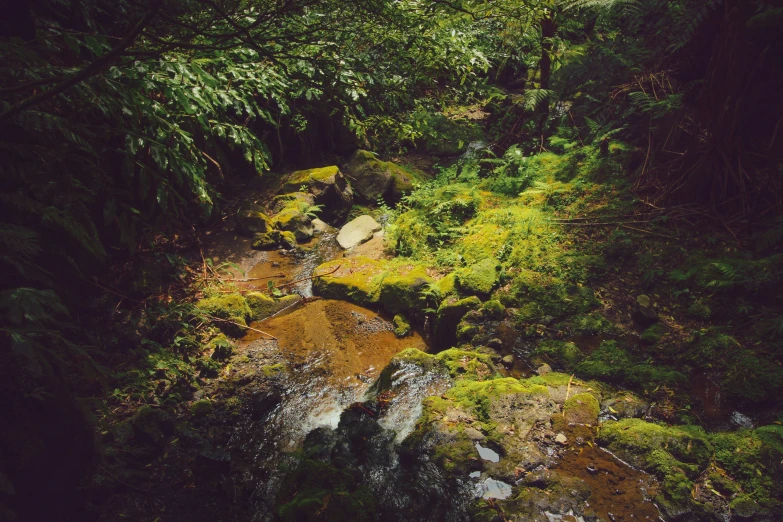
568	390
646	232
281	275
308	278
271	337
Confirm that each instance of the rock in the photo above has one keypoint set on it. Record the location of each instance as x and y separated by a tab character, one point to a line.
357	279
495	344
319	227
508	361
221	348
301	200
582	408
151	425
357	232
296	221
400	292
644	313
274	239
263	306
544	369
401	326
450	313
372	178
329	188
494	310
201	408
479	279
231	307
561	439
251	220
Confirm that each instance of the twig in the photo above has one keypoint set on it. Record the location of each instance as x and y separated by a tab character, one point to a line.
281	275
646	232
568	390
271	337
308	278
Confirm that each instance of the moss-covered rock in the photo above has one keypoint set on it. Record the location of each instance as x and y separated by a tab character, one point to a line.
329	188
446	285
493	310
450	313
561	354
356	279
370	177
536	295
263	306
405	359
468	365
677	455
201	408
230	307
401	291
221	348
582	408
479	279
402	327
612	363
251	220
295	221
299	200
151	425
653	334
274	239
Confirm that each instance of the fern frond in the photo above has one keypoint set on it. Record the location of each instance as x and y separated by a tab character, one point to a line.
694	15
533	98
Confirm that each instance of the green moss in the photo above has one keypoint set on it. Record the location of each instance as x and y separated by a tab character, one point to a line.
474	396
582	408
450	312
590	324
479	279
307	178
463	364
401	291
201	408
357	279
274	239
251	221
653	334
677	455
273	370
614	364
221	348
538	295
561	354
554	379
447	285
402	327
295	221
263	306
232	307
494	310
320	491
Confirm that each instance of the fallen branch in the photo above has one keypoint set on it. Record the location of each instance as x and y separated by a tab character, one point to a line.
279	276
309	278
271	337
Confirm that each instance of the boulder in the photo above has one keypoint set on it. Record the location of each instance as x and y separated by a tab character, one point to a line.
294	199
479	279
582	408
274	239
297	222
356	279
400	291
401	326
263	306
372	178
251	220
643	312
319	227
357	232
329	188
450	313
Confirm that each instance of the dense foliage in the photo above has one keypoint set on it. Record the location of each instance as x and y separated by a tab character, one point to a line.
122	122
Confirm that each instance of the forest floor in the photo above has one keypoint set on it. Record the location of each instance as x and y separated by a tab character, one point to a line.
555	312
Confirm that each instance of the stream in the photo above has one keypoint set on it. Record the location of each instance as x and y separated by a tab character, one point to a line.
312	394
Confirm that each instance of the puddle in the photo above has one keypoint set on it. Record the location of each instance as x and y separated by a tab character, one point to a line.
491	488
487	454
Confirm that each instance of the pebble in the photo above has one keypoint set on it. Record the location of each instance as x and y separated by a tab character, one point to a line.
544	369
561	439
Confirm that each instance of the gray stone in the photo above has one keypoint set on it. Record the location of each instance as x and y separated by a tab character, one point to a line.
319	226
357	232
544	369
644	313
508	360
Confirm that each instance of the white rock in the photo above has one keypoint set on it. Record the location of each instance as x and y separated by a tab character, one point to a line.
561	438
319	226
357	232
